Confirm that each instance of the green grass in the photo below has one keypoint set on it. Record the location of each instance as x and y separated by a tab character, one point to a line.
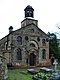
19	74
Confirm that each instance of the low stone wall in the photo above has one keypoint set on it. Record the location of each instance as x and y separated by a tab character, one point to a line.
3	68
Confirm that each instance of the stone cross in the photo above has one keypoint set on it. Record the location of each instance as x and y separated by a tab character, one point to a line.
55	64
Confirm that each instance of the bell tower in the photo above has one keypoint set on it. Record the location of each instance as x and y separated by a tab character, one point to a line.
29	11
29	17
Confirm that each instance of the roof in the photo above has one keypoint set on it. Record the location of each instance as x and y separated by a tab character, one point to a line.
23	28
28	7
28	19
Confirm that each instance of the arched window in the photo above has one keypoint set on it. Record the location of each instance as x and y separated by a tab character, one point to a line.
6	45
32	30
43	54
32	45
19	40
47	40
19	54
38	39
26	38
43	42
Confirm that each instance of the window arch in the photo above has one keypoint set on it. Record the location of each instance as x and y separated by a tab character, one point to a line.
32	30
32	45
19	54
43	42
19	40
43	54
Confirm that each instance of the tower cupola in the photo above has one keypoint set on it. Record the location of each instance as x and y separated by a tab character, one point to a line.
29	11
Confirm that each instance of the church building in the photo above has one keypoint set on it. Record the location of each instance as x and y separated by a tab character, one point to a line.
28	45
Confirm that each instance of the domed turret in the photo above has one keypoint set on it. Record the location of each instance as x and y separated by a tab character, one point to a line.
29	11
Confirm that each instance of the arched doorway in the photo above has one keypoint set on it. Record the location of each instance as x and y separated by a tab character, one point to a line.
32	48
32	59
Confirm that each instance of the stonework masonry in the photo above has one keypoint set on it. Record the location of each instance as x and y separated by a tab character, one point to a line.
3	68
26	46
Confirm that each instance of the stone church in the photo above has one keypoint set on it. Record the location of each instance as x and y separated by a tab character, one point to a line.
28	45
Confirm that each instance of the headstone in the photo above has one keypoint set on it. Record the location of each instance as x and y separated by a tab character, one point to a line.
3	68
55	64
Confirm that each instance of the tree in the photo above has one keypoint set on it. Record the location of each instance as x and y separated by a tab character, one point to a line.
53	45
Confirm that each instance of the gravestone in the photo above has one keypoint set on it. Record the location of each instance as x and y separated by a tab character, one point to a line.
55	64
3	68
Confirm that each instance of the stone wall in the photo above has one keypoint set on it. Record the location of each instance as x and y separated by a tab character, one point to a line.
3	68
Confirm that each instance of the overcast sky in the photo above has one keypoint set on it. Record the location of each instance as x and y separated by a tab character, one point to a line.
47	12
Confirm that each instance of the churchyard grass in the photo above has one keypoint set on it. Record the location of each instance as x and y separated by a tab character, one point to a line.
19	74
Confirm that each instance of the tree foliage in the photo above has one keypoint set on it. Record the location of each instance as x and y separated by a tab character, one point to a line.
53	45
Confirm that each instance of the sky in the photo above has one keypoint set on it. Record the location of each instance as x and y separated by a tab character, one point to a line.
47	12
